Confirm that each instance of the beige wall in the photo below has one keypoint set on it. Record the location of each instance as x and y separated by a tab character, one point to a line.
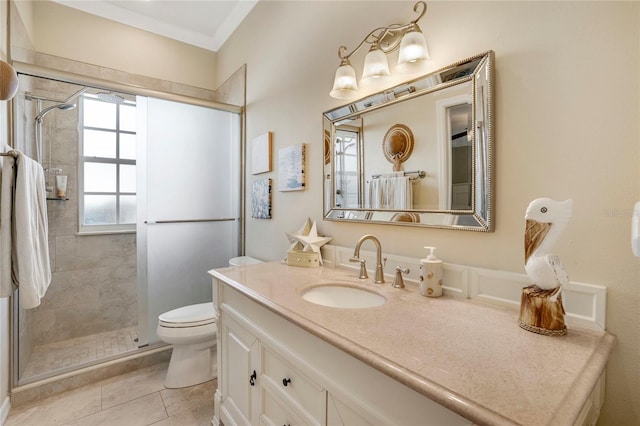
567	109
25	9
72	34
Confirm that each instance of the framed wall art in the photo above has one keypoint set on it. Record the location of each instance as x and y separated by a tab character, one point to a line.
291	163
261	154
261	199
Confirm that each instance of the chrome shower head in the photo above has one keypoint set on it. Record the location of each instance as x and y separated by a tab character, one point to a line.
63	107
110	97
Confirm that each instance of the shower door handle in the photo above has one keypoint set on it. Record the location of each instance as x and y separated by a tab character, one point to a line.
220	219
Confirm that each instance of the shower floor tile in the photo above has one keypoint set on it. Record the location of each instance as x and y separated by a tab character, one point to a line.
80	350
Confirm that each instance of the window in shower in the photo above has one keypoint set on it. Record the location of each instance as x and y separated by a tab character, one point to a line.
107	169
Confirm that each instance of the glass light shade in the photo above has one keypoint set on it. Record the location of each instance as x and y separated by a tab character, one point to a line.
375	65
413	47
345	85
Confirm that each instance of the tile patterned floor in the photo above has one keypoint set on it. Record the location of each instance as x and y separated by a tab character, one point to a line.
70	353
134	399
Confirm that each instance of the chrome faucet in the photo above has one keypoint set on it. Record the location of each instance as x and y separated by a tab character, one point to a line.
379	278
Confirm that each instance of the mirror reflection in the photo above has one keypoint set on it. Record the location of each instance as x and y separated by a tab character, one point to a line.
416	154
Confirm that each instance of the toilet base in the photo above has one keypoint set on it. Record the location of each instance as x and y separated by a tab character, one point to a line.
190	365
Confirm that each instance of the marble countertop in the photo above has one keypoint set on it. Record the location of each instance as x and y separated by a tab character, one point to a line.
468	356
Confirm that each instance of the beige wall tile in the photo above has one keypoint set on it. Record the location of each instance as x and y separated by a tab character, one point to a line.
94	250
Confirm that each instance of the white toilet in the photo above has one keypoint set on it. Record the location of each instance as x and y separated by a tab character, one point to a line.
191	330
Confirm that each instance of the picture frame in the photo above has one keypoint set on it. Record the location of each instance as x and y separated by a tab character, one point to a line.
261	153
291	168
261	199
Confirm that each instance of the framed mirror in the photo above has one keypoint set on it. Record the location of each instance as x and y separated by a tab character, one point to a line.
417	154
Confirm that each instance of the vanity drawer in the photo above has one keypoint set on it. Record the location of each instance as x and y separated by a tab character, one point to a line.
282	378
275	412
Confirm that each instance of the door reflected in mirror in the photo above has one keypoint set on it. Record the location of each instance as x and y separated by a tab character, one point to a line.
348	159
461	150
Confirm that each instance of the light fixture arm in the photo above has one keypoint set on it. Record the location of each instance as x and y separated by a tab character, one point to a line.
387	38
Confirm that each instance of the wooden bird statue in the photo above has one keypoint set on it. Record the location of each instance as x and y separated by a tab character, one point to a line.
545	221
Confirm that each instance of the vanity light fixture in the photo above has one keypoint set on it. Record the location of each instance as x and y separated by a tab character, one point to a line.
383	40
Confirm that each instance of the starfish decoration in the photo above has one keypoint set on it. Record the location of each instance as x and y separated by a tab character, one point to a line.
293	240
307	237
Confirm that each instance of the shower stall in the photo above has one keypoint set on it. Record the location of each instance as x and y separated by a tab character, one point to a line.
136	237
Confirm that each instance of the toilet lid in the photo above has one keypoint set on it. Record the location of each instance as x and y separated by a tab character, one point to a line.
189	316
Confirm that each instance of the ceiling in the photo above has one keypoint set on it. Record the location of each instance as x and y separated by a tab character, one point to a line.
203	23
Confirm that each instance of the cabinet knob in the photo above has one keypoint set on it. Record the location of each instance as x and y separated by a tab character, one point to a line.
286	381
252	378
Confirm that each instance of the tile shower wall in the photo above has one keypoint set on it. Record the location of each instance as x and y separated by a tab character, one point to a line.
93	287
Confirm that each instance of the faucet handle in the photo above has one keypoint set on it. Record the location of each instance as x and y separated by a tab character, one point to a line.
398	281
363	269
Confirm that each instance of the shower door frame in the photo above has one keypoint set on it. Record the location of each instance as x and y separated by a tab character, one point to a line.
88	81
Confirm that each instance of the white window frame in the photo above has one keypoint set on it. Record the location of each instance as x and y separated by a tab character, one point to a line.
101	229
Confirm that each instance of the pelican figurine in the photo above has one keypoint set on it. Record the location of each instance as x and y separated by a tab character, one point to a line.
545	221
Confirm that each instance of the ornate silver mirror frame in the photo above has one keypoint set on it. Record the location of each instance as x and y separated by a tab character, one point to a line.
440	169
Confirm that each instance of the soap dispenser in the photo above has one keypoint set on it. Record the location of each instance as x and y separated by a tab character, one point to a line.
431	275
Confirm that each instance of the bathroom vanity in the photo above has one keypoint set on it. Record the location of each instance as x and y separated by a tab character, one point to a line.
283	359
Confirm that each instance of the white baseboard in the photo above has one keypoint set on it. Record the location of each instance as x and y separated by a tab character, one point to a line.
585	304
4	410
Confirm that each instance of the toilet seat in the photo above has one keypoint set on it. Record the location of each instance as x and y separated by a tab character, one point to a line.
188	316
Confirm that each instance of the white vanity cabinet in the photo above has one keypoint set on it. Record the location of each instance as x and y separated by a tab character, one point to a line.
283	360
237	365
257	385
272	372
280	381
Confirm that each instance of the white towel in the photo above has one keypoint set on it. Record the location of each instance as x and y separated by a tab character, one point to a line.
6	208
32	271
391	192
402	193
375	194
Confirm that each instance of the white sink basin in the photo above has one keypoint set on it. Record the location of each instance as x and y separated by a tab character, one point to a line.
342	296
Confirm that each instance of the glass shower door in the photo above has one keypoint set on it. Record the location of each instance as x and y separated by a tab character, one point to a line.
188	204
